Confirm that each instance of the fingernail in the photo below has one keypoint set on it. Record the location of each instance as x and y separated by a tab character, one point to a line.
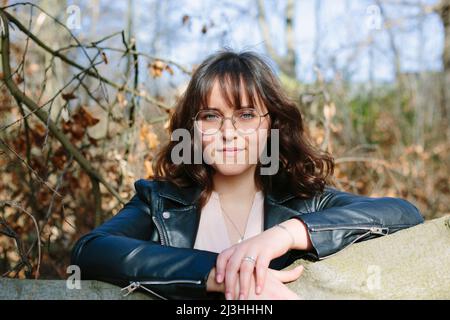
228	296
241	296
258	289
219	278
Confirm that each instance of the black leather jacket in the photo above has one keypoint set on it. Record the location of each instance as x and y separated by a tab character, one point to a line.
149	243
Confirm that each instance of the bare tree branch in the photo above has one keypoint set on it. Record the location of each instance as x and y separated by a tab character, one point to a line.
38	239
41	114
91	73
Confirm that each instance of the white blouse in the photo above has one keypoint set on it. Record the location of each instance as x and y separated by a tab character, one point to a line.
212	233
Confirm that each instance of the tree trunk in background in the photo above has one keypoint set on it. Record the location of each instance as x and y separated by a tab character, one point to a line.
286	63
46	31
444	12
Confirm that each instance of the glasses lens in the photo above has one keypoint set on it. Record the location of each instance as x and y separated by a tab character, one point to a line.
208	121
246	120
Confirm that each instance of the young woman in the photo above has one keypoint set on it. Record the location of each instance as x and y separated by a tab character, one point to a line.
225	226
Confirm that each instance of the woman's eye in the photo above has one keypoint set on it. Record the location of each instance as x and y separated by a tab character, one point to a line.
247	115
211	117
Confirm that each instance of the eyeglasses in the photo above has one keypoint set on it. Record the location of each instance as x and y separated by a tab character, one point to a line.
245	120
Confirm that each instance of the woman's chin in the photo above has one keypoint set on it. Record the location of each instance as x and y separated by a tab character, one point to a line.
231	169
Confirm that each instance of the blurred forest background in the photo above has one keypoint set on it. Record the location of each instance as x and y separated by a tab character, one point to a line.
87	89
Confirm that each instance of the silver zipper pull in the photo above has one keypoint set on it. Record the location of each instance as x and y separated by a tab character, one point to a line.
130	288
377	230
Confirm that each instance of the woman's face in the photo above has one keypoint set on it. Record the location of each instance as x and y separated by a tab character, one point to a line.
229	151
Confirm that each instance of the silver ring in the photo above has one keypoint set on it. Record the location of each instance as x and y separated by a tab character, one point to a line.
249	258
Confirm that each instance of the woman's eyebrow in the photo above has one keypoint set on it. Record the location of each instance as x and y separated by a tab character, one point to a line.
242	106
214	108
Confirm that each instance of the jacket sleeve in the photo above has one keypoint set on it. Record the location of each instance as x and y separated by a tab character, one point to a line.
120	252
337	219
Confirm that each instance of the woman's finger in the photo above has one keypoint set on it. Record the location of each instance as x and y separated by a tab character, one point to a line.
262	265
288	275
245	276
221	263
231	275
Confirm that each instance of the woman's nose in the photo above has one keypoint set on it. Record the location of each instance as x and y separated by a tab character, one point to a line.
228	130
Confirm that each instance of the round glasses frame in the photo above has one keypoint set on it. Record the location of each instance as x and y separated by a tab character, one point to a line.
233	121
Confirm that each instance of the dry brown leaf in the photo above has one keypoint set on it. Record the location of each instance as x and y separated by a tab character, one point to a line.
169	69
185	19
121	99
149	137
68	96
85	118
59	158
84	181
156	68
104	58
18	79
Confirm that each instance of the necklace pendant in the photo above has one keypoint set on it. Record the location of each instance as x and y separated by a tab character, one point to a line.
240	240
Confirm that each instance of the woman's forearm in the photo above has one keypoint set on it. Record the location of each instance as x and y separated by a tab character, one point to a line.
299	231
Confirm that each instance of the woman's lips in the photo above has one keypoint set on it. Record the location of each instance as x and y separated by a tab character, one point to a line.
231	150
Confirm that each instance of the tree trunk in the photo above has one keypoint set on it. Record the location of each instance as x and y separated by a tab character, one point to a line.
444	12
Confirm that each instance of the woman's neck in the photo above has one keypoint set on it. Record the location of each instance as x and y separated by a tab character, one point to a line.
236	186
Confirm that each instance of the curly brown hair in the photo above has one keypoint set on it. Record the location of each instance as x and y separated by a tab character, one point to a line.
302	167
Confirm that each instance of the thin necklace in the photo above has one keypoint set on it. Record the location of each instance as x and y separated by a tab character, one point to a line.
234	225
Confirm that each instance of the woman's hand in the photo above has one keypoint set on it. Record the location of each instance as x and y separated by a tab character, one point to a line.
272	243
275	289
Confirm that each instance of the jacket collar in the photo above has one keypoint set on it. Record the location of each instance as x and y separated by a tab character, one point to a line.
184	195
190	195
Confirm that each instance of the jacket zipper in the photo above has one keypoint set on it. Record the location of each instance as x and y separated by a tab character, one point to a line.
371	230
139	284
361	236
378	230
160	230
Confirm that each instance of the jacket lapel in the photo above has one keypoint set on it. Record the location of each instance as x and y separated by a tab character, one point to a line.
177	210
181	226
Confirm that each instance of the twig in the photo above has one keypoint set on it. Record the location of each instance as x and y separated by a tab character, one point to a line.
78	66
38	239
42	115
33	5
29	167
